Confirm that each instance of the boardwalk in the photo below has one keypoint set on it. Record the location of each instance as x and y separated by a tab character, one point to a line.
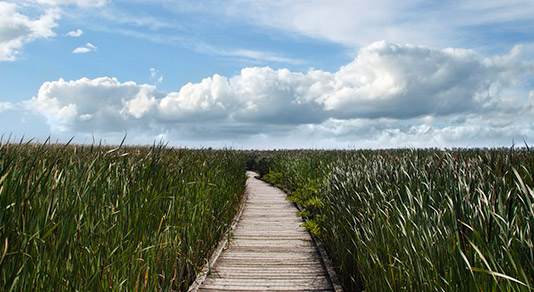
269	250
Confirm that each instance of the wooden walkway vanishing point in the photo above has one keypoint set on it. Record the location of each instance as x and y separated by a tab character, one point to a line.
270	250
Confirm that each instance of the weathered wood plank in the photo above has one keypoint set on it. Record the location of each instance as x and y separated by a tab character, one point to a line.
266	270
269	249
278	243
267	284
271	290
270	255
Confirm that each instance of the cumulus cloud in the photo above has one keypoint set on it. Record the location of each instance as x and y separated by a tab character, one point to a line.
103	104
75	33
16	29
405	81
388	92
85	49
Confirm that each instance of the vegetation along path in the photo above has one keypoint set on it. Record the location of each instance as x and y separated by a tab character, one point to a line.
269	250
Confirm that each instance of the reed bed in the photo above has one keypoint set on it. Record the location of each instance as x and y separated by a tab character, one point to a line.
95	218
418	220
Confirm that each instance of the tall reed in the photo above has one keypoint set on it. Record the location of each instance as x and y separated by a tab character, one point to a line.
94	218
419	220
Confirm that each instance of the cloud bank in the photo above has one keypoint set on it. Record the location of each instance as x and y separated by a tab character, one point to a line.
390	95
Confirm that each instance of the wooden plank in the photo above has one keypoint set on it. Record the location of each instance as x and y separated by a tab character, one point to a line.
273	249
268	276
269	258
250	271
267	284
272	243
261	263
257	270
272	290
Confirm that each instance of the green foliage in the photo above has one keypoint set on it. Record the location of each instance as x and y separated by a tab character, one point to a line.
92	218
258	161
100	218
313	227
418	220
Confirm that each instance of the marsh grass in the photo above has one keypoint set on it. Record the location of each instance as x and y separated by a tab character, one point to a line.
415	220
95	218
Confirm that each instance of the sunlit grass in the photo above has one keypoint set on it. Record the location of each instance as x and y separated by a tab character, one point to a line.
418	220
94	218
84	218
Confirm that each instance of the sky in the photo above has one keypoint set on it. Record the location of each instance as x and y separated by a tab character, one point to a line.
254	74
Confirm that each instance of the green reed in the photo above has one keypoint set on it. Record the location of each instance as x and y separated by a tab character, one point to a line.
418	220
94	218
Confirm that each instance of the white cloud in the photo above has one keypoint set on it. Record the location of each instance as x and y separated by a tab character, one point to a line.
475	131
102	103
141	104
85	49
259	55
342	21
404	81
5	106
403	94
16	29
209	99
155	76
254	55
496	11
356	23
75	33
83	3
120	16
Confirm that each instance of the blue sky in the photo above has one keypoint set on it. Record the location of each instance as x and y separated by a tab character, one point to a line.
269	74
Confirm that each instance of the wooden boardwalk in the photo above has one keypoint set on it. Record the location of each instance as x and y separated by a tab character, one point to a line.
269	249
